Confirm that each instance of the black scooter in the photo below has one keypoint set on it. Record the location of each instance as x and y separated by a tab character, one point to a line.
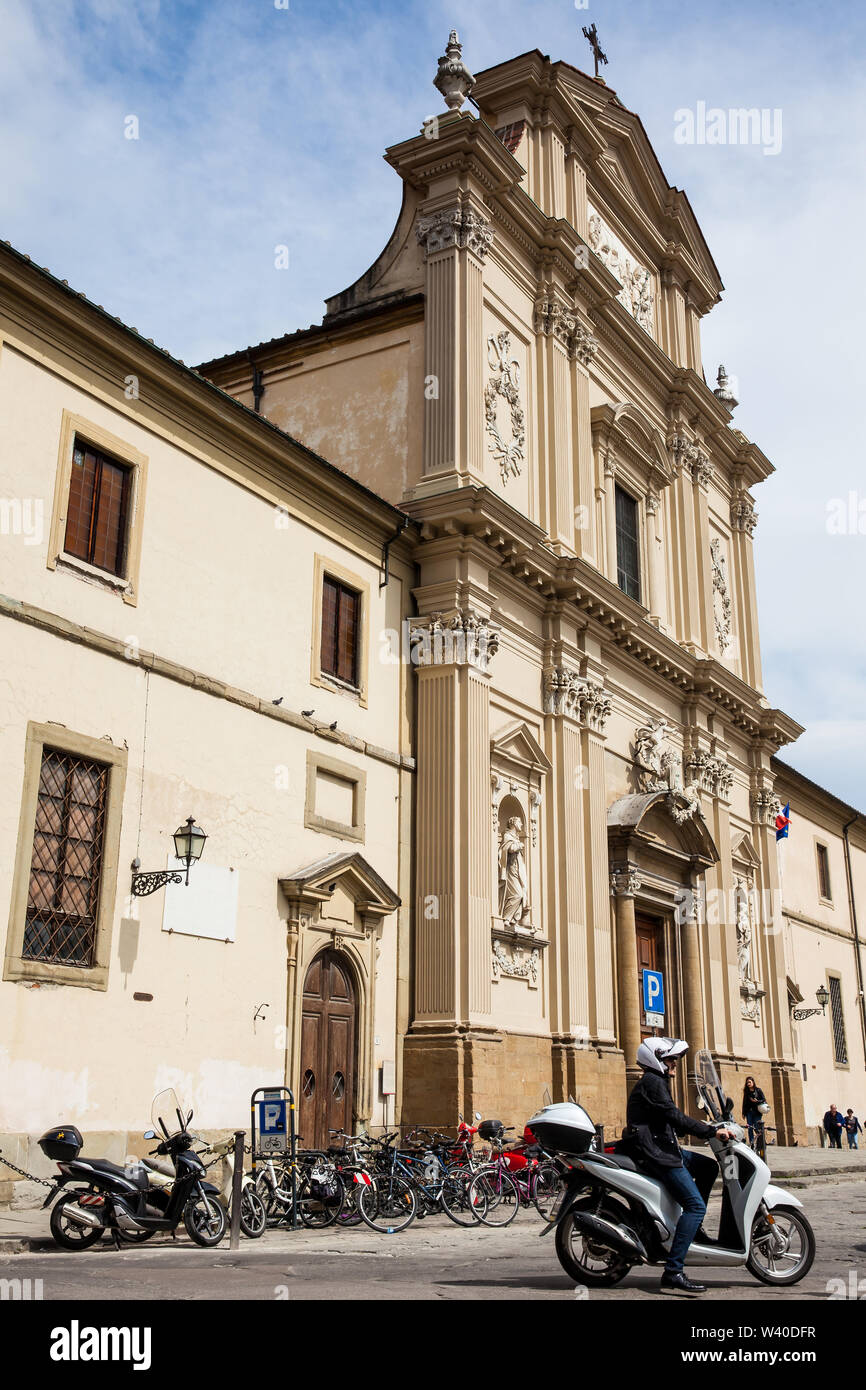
121	1200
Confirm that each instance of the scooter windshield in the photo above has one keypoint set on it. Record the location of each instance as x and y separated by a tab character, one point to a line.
167	1114
709	1085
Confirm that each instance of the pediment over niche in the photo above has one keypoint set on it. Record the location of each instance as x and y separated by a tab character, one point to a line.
744	852
516	747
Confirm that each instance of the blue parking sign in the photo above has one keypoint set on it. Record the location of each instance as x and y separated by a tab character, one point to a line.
654	998
272	1123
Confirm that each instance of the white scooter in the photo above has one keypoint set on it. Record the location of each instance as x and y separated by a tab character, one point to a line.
614	1216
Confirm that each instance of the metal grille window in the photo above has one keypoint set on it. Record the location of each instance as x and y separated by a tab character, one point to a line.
840	1046
341	610
97	513
824	886
67	857
627	549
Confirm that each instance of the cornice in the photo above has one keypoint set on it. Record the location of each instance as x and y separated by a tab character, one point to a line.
518	548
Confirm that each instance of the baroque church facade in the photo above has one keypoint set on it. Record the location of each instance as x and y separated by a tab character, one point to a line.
520	372
468	700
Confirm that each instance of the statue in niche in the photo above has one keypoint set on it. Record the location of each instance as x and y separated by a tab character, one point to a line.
513	884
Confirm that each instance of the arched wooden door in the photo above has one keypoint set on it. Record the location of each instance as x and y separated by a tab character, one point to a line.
328	1028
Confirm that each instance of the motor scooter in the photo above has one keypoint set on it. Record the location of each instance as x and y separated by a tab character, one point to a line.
614	1216
253	1218
122	1200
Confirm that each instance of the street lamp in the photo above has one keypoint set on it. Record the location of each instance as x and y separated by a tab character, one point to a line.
189	840
822	994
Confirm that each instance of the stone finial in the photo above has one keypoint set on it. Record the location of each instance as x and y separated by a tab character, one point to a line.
723	391
453	78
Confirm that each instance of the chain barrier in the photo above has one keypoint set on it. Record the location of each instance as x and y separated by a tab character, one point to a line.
32	1176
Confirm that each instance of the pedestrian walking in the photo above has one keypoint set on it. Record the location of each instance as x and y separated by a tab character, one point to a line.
833	1125
753	1099
853	1127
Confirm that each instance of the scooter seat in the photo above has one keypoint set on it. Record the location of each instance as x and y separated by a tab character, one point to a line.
623	1161
137	1176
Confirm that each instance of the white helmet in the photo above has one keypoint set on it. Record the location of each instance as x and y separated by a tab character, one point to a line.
653	1053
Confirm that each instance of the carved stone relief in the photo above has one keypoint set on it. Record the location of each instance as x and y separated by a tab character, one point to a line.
504	384
516	964
637	294
750	994
658	766
721	597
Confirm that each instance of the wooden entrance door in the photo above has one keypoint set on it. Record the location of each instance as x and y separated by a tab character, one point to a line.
650	956
327	1051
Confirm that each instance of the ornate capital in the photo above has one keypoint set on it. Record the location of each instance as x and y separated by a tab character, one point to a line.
765	805
460	638
624	881
567	693
555	319
459	226
653	502
688	454
743	514
713	775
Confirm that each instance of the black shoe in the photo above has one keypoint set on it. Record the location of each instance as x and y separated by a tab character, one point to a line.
678	1283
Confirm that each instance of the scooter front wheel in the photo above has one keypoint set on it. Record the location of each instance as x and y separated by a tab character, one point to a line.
205	1220
783	1246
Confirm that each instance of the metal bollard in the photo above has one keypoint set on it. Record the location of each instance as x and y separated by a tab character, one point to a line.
237	1189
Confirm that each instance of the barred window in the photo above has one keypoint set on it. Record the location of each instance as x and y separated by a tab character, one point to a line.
627	548
840	1046
67	857
341	612
97	513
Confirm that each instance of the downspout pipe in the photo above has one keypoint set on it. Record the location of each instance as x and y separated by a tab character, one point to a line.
385	567
861	999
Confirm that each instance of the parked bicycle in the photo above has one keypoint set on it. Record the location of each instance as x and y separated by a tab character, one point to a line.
527	1176
318	1192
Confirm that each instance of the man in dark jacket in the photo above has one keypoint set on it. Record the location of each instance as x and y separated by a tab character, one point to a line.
654	1122
833	1125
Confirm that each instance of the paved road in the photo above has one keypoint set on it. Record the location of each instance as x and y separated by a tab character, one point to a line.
433	1259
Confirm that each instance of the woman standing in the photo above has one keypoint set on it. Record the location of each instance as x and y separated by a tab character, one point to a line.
753	1098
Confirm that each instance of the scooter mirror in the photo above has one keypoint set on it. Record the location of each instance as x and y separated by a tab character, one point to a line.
729	1106
478	1114
149	1134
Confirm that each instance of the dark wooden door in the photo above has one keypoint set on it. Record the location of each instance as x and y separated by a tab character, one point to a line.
650	956
327	1051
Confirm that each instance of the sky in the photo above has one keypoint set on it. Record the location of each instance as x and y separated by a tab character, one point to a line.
262	123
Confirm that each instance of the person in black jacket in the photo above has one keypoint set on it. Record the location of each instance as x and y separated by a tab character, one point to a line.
753	1097
654	1122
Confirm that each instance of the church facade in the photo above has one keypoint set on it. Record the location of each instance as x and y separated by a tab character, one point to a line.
520	370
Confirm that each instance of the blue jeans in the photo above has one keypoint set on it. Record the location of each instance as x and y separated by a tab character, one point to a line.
852	1139
683	1188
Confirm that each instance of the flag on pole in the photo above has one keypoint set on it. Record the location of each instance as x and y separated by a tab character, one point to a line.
783	820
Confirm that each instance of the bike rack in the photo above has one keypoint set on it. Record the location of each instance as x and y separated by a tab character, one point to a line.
293	1139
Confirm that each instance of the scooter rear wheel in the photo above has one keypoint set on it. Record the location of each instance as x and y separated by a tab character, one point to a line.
68	1234
584	1260
782	1251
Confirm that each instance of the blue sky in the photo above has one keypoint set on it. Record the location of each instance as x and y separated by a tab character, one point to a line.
261	126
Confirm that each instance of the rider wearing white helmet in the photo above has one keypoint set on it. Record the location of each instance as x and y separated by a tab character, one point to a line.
654	1122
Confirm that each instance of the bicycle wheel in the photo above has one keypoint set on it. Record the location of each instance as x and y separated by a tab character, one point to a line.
496	1195
354	1179
457	1203
388	1205
254	1216
546	1189
320	1202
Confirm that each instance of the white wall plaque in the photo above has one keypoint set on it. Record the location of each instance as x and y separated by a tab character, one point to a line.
208	907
